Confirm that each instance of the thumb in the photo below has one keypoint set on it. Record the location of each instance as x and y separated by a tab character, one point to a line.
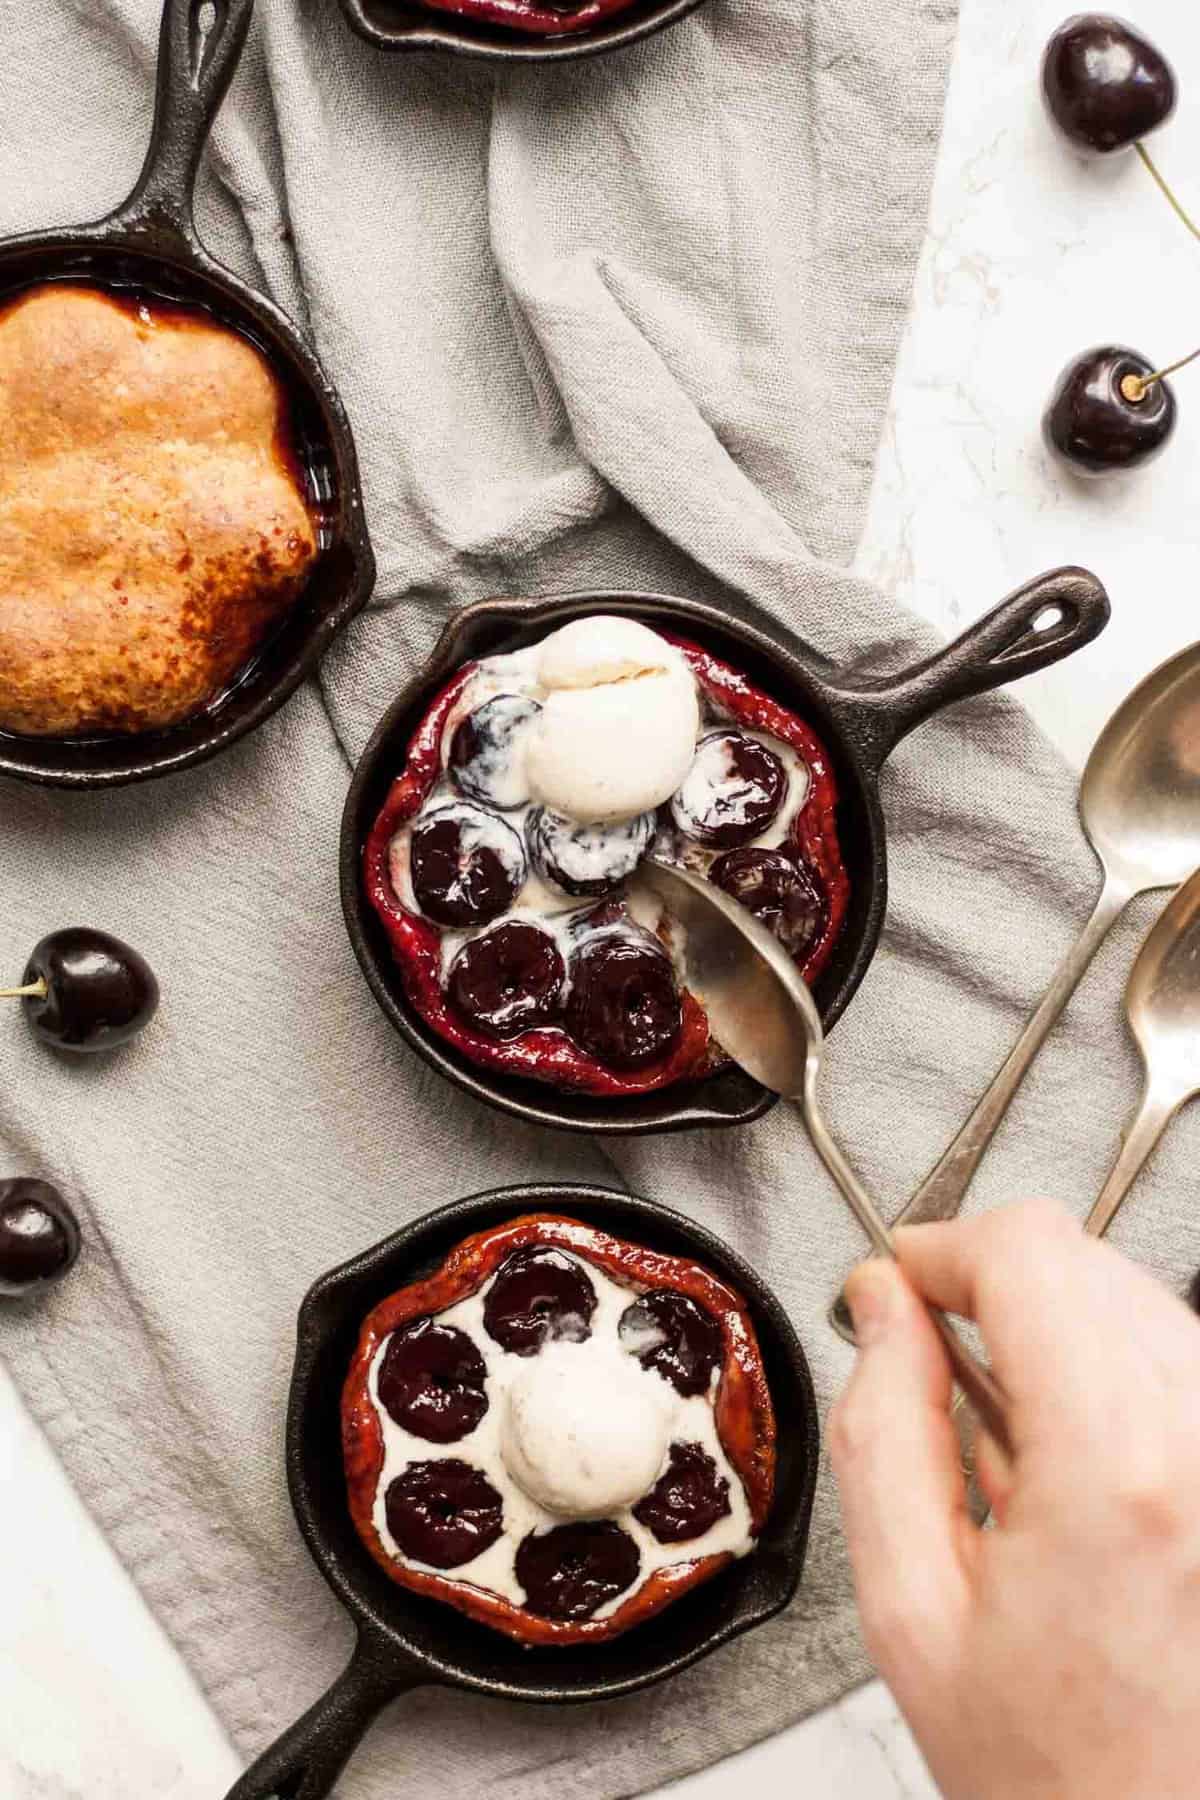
896	1457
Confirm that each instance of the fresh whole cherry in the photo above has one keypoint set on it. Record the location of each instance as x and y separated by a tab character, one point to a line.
1110	411
39	1236
1105	85
84	991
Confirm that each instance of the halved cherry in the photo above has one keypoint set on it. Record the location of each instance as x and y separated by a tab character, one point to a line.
669	1332
431	1381
586	860
467	864
776	889
443	1513
624	1007
732	791
687	1499
508	980
485	761
570	1572
537	1294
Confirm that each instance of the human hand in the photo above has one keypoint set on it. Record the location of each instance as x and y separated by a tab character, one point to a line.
1058	1654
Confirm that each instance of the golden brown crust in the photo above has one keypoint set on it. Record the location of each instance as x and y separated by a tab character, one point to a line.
744	1415
151	527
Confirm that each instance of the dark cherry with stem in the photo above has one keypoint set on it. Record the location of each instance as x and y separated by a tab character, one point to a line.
1110	410
85	991
39	1236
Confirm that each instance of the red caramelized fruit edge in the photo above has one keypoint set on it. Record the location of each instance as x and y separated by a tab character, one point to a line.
523	15
548	1055
745	1418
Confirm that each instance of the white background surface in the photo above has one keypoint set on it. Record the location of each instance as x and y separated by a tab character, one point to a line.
1031	257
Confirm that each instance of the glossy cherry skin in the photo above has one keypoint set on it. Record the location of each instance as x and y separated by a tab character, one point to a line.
484	762
1094	427
99	992
734	789
669	1332
1104	84
39	1236
467	864
623	1007
443	1513
537	1294
571	1571
776	889
587	861
508	980
687	1499
431	1381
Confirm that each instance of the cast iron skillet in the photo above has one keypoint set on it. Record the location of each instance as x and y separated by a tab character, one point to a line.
149	245
861	718
394	25
406	1640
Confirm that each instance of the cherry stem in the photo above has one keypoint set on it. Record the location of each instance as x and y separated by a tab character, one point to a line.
35	990
1170	197
1136	387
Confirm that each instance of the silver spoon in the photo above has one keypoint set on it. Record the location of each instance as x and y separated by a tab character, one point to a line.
762	1013
1139	805
1162	1006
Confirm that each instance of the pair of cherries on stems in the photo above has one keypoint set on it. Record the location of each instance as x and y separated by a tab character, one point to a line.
82	992
1107	88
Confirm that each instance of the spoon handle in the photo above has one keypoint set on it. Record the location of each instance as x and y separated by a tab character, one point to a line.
977	1383
1155	1112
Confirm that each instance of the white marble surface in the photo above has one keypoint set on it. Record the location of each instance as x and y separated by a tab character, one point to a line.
1031	257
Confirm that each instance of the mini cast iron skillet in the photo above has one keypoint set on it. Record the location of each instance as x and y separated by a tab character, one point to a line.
406	1640
395	25
860	718
149	246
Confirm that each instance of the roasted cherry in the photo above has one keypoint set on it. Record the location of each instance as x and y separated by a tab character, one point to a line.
39	1236
687	1499
1104	416
1105	85
485	763
669	1332
431	1381
467	865
732	792
623	1007
570	1572
586	860
777	890
443	1513
508	980
538	1294
83	990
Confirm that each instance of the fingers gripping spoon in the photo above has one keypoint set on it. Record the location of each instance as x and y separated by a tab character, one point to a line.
762	1013
1139	805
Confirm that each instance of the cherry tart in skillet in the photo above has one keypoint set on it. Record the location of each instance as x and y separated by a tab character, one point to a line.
558	1432
504	863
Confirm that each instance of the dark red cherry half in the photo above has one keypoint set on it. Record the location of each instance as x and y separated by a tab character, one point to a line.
732	792
538	1294
570	1572
484	761
1105	85
586	860
687	1499
1094	425
508	980
443	1513
777	890
467	865
623	1007
431	1381
669	1332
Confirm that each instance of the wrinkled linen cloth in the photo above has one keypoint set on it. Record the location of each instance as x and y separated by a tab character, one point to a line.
631	323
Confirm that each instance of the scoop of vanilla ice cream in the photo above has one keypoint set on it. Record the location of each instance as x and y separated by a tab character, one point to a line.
586	1429
618	725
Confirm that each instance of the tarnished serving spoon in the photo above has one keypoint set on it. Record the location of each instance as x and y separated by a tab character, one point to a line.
762	1013
1139	804
1162	1006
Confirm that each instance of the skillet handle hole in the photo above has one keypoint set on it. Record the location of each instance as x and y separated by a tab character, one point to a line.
208	20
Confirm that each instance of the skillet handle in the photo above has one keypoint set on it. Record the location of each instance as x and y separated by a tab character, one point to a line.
1042	622
305	1762
199	44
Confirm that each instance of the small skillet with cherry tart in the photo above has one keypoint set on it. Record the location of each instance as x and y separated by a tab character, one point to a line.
511	31
562	1058
693	1558
181	522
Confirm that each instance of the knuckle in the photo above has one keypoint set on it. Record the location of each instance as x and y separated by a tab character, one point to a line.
850	1429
